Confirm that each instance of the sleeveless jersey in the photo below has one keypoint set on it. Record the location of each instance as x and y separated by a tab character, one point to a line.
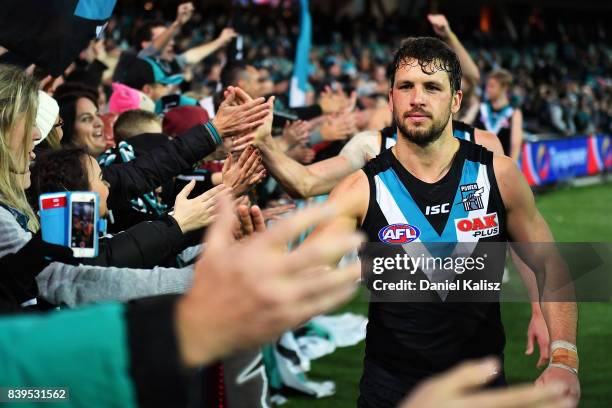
417	339
461	130
498	122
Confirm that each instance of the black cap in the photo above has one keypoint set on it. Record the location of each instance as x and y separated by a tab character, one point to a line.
133	71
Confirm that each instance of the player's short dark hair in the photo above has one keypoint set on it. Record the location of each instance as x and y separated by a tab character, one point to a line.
432	55
232	72
129	123
145	32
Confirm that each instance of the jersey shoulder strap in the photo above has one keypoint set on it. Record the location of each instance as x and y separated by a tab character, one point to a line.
378	164
479	154
387	138
462	130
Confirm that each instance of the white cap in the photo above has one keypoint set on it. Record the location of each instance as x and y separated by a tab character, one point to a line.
48	109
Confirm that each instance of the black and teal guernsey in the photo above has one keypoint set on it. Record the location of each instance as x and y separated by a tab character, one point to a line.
388	136
498	121
415	339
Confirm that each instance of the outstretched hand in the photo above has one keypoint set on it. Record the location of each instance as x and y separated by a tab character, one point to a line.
460	387
247	293
234	118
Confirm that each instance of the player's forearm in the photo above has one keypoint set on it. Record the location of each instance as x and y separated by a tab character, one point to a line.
558	299
468	66
282	144
561	319
292	176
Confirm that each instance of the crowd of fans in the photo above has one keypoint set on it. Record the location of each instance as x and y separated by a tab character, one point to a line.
162	121
561	81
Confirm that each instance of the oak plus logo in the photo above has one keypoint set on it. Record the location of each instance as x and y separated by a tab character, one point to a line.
473	228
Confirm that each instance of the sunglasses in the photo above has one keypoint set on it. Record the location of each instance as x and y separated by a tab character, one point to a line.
59	124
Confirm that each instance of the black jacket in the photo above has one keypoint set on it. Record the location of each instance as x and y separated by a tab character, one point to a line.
143	246
145	173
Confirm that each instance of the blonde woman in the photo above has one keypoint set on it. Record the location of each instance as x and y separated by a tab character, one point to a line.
58	283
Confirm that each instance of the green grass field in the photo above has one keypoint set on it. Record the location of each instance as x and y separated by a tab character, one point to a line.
574	215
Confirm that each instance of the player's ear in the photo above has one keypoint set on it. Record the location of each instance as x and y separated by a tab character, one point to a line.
391	99
456	101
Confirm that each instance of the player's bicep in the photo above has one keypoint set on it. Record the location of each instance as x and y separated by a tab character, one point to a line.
489	140
326	174
525	223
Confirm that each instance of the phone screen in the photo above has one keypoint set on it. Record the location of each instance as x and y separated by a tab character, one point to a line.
83	214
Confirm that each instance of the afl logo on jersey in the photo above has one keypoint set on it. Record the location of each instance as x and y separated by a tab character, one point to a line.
398	234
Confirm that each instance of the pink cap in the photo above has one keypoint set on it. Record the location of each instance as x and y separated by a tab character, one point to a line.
123	98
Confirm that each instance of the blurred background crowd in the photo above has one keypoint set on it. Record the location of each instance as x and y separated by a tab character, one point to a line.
561	61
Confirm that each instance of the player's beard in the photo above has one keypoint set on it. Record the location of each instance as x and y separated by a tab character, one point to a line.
423	136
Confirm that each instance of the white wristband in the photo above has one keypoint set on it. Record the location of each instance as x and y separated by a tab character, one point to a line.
558	365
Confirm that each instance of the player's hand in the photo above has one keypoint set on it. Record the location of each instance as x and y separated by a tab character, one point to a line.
247	293
568	380
264	132
236	119
184	12
537	332
240	143
440	25
227	35
262	135
459	387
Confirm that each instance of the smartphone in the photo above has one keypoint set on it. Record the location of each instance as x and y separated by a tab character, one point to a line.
53	217
83	224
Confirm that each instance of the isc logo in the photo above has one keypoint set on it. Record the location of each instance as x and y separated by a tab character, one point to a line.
477	227
436	209
398	234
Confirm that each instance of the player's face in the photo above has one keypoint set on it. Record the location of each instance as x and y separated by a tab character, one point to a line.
422	103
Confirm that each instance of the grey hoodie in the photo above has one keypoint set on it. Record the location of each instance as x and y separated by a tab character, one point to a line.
73	285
